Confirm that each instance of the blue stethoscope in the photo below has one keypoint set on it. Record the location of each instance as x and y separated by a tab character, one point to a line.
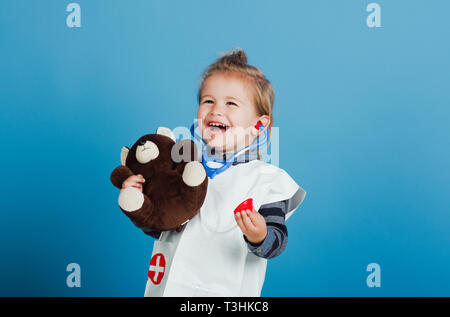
217	166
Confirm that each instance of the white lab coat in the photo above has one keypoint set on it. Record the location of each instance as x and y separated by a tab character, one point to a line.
210	257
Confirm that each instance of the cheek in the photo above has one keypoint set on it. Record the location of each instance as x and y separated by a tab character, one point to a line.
243	116
242	120
202	112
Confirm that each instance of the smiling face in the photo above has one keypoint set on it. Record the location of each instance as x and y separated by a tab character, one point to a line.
227	114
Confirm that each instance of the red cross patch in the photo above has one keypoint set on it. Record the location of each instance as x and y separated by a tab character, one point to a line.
157	268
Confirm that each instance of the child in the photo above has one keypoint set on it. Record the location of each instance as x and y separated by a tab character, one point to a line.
219	253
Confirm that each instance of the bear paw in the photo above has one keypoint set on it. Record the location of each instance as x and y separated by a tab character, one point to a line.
131	199
194	174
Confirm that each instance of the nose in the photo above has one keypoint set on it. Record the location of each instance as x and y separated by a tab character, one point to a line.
142	142
217	110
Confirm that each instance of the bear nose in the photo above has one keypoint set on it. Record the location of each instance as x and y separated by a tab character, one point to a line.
142	142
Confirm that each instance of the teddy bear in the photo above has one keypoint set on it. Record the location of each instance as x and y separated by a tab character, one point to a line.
175	181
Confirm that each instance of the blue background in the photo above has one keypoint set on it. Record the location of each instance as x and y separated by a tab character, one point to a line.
364	129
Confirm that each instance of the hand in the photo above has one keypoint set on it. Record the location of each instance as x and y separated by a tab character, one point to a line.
252	224
134	181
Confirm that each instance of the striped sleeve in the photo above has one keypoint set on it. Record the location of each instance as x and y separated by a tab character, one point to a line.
277	235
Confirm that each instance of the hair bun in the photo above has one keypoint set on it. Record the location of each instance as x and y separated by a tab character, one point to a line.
236	56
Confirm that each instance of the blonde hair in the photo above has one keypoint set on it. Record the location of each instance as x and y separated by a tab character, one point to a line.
235	63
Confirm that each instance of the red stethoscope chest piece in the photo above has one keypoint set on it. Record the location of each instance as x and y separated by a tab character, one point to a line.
245	205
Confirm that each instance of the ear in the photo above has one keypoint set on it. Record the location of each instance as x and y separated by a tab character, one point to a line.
167	132
124	154
265	120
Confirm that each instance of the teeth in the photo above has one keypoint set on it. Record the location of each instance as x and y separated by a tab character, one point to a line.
213	124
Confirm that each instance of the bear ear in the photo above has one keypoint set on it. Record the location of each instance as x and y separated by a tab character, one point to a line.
124	154
167	132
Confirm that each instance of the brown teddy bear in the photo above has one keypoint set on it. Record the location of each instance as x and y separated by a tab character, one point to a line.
175	181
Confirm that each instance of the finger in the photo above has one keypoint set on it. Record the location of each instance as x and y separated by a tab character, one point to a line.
252	216
255	217
247	222
137	178
131	184
137	185
134	183
241	225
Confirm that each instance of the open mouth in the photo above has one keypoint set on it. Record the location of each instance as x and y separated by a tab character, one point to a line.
216	127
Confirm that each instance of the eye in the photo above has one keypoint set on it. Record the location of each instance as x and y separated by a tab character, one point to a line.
231	103
146	152
208	101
